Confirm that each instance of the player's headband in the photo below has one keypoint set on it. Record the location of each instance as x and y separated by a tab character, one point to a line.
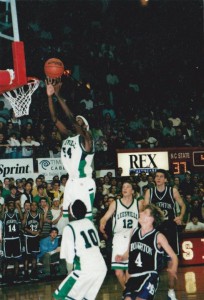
85	121
71	211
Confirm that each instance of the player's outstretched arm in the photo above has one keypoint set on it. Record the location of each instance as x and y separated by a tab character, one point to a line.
50	92
162	242
107	216
62	102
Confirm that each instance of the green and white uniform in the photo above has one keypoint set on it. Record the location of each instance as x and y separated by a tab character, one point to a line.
80	246
78	163
125	219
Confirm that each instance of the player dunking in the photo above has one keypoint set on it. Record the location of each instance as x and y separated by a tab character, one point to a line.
77	154
165	198
80	249
145	256
125	214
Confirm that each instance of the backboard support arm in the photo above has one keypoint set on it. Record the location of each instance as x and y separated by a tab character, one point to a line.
14	20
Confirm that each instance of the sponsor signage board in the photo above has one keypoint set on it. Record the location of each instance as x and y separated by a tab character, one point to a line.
16	168
148	161
49	167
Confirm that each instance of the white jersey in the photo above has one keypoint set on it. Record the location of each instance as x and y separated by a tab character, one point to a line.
76	161
125	218
80	245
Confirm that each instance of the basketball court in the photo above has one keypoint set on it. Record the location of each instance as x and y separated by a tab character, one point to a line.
189	287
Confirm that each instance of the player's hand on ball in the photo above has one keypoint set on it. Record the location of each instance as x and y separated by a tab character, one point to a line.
50	89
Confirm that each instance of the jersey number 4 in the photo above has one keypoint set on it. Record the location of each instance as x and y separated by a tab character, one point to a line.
138	260
68	152
90	238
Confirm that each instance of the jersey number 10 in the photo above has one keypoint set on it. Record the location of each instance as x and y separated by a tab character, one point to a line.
90	238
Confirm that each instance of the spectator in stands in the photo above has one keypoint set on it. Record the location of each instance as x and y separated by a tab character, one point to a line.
28	145
106	185
14	149
6	189
143	181
13	195
2	200
3	144
113	191
55	191
188	203
58	221
63	181
54	144
38	181
194	225
40	194
187	186
28	130
88	102
4	112
50	253
179	140
16	124
168	129
136	123
20	188
150	180
45	210
197	210
176	183
43	149
156	122
26	207
27	194
119	172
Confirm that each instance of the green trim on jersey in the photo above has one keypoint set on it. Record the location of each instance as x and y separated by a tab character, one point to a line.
65	289
82	166
77	264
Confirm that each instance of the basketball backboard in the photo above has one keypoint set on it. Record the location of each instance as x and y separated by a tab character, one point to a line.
16	77
13	81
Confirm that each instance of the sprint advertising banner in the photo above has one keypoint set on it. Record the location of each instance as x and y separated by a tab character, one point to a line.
16	168
142	161
49	167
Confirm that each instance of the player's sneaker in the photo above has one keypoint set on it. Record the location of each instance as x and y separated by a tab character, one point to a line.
34	275
171	295
3	281
17	279
26	277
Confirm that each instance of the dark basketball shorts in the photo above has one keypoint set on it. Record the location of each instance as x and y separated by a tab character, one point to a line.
144	287
12	248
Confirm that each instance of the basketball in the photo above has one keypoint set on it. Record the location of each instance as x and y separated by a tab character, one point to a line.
53	68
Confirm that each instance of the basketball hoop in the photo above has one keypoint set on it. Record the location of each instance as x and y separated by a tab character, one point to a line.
20	97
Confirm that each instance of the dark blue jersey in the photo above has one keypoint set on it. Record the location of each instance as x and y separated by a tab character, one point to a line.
11	226
144	255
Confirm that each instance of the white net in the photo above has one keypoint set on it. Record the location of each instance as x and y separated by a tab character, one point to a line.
20	98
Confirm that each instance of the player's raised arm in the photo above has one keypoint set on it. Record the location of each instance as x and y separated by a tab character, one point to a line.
146	197
50	92
107	216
